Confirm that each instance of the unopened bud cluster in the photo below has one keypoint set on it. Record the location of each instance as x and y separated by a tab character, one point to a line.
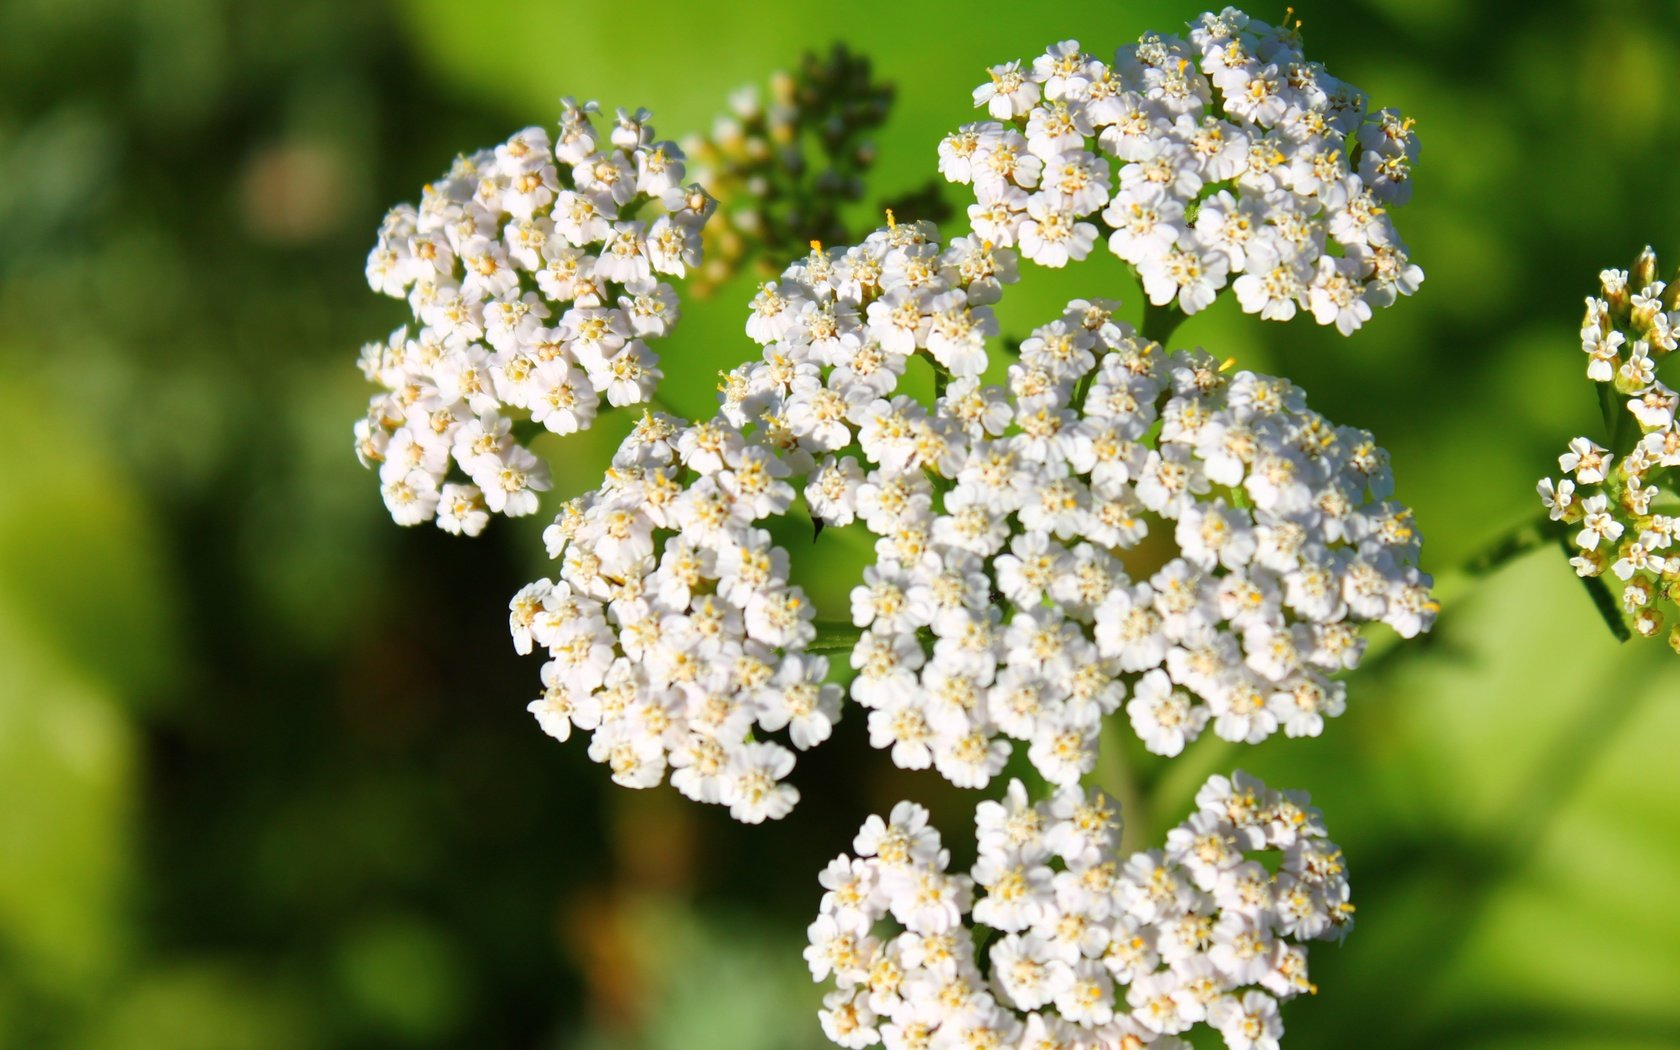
1619	502
783	167
1225	159
534	273
1054	940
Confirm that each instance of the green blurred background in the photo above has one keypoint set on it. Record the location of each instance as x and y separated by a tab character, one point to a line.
267	777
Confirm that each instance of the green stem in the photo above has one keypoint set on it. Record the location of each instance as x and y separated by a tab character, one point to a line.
1513	543
1603	600
1607	407
1159	322
1082	390
834	637
1626	432
941	379
1119	779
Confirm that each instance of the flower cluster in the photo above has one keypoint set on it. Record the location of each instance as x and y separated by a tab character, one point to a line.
1619	502
533	271
1118	516
1227	158
1053	940
1091	527
1118	522
783	167
672	631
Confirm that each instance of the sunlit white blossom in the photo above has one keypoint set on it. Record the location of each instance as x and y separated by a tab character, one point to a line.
534	272
1224	158
1068	944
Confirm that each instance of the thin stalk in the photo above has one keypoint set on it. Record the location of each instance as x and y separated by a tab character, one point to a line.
1512	544
1119	779
1083	390
834	637
1607	406
1605	603
1159	322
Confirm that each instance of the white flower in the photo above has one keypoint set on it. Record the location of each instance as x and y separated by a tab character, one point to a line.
1251	1023
1010	93
753	790
1052	235
1164	717
489	350
1071	930
847	1019
1589	461
1597	523
1280	524
672	630
1558	498
1235	128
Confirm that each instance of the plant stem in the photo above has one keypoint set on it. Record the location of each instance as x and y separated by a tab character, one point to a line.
1514	542
1116	776
1607	407
1159	322
834	637
1083	390
1603	600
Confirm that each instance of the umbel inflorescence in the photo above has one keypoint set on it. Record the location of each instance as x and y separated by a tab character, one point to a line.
1123	526
1118	526
534	273
673	630
1078	526
1619	502
1227	158
1055	940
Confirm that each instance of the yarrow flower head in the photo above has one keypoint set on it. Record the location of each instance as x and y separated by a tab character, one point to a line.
534	271
672	631
1119	522
673	635
1053	940
1618	502
1227	158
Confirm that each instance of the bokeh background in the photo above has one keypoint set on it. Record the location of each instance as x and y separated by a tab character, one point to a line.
266	780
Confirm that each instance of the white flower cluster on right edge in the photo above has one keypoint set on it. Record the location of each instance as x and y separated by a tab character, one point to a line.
1226	159
1618	501
1054	941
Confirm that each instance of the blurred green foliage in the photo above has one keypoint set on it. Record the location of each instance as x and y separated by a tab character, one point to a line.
268	781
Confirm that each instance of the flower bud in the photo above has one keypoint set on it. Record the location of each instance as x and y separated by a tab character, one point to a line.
1615	285
1644	272
1648	622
